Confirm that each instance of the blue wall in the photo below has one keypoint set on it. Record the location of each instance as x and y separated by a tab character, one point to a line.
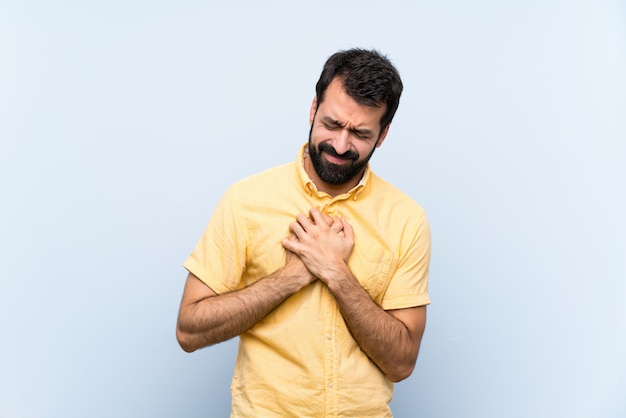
121	123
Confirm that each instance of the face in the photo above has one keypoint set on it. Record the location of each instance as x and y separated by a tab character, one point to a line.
344	135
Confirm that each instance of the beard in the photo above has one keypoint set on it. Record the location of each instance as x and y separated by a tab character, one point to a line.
336	174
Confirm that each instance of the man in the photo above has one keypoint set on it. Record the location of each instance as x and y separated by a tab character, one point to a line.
319	266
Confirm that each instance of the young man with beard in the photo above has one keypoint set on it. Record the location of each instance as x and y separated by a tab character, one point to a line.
319	266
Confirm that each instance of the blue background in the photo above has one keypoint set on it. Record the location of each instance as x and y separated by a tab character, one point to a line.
122	123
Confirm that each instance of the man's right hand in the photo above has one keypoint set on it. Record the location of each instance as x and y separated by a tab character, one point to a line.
294	266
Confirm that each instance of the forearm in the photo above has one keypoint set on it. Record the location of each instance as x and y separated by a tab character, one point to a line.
217	318
387	341
391	340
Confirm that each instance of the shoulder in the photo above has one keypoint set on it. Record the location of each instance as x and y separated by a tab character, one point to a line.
264	188
267	179
393	198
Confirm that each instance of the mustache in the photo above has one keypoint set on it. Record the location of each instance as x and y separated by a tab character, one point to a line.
329	149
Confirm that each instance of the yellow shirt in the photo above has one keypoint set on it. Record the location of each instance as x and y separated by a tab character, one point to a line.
300	360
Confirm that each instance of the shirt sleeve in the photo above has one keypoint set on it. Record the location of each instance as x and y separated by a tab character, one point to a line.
409	284
219	258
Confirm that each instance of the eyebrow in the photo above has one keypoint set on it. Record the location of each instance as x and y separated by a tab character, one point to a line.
359	131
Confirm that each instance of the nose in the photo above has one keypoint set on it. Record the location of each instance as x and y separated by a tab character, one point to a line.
341	142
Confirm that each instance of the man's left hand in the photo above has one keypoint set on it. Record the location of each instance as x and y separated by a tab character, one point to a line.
324	246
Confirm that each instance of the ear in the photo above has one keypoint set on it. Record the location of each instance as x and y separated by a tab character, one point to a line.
313	110
382	136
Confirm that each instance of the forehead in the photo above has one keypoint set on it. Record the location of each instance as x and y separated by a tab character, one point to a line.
338	105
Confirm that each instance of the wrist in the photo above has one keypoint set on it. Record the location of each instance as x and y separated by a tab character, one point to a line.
336	275
293	278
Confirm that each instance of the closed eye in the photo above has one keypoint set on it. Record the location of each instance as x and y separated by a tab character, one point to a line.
334	125
331	124
362	133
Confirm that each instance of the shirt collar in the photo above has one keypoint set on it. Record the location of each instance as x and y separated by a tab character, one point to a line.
310	187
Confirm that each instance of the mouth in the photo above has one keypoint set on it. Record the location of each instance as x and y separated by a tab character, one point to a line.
333	159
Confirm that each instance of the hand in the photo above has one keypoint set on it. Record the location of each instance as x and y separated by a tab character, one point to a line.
294	265
324	244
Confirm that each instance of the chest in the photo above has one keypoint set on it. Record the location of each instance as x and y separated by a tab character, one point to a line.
372	260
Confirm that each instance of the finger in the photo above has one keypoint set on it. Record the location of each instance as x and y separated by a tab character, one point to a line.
317	217
304	222
297	230
292	237
328	219
347	229
291	244
336	226
288	244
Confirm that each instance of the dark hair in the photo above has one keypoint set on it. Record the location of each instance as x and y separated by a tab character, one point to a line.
367	76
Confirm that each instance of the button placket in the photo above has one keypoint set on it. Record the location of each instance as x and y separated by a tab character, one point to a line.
330	353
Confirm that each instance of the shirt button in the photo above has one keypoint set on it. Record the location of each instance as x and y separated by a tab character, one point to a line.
328	336
330	385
